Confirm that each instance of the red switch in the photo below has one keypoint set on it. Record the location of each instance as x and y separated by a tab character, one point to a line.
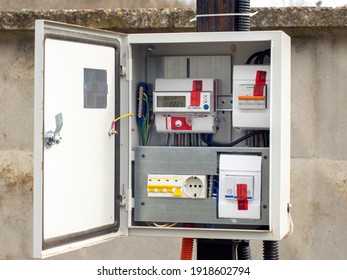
196	93
242	201
260	78
260	82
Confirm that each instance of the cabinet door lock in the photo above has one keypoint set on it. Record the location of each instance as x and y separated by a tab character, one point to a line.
53	138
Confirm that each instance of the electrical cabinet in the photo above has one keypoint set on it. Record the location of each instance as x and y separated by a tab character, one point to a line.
145	134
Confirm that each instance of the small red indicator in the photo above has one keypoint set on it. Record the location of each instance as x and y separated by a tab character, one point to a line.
196	93
242	202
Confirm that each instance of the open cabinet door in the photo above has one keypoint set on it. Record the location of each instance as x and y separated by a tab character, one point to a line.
76	183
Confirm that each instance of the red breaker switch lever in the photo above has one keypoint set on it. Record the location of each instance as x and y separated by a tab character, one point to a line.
260	82
242	201
196	93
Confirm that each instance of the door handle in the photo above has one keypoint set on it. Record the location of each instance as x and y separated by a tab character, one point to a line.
53	138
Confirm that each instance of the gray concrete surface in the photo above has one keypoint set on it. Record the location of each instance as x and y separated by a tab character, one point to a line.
319	153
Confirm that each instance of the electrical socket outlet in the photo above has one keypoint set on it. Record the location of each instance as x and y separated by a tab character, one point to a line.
195	186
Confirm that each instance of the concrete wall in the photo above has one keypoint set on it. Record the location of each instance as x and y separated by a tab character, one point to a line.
319	154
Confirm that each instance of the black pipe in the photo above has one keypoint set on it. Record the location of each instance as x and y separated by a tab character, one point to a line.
243	23
270	250
244	250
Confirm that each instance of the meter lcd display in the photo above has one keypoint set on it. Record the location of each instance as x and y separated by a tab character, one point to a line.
171	101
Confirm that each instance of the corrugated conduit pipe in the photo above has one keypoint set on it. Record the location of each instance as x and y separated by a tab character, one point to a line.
187	246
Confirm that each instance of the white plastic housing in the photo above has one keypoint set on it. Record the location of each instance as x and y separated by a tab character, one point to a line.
254	114
233	171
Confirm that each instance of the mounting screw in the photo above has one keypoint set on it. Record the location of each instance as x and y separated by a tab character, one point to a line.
143	155
265	157
289	207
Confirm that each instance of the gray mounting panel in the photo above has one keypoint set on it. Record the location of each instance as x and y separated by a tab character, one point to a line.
189	161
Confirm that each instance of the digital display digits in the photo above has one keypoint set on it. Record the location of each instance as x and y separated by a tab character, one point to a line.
171	101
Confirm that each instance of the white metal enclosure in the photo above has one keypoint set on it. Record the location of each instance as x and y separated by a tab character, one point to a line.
91	185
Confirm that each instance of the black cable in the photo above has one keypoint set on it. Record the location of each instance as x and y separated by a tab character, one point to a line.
270	250
264	54
253	56
259	57
243	138
264	140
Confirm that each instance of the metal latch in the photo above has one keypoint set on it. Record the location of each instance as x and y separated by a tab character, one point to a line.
53	138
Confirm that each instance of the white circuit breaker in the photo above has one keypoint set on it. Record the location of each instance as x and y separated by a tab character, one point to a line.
185	105
251	98
240	186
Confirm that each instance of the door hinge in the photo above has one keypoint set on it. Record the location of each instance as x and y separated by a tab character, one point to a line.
123	72
122	200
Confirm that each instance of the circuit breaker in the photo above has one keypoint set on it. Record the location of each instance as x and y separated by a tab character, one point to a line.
239	186
251	98
175	135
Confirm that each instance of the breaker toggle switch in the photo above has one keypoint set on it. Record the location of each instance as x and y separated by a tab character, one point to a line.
242	200
195	94
260	83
